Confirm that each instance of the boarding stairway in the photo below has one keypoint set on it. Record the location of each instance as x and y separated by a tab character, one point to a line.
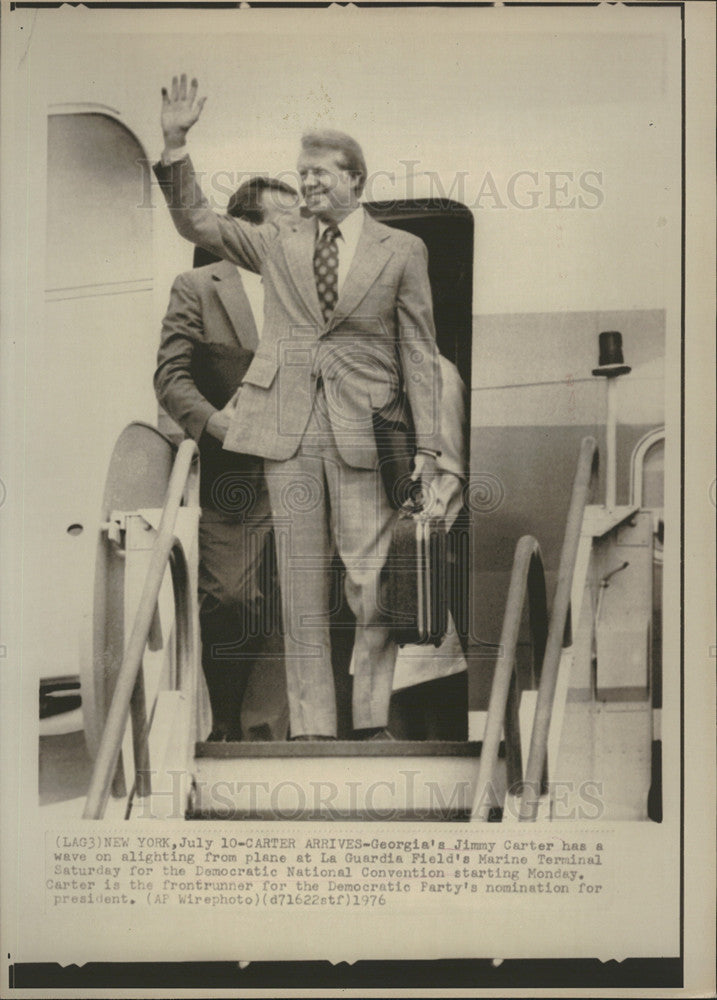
145	700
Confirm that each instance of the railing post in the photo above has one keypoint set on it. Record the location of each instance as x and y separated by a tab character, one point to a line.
119	709
584	479
140	747
527	575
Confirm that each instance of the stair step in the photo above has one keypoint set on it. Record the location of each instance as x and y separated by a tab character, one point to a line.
339	748
341	780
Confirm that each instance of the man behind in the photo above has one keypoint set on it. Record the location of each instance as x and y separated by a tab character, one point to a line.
348	330
209	336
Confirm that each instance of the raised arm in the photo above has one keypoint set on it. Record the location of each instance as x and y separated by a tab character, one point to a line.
229	238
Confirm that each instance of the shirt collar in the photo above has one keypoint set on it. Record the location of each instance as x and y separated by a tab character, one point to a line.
350	227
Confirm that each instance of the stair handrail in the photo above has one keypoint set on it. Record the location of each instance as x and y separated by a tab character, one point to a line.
583	486
116	721
527	578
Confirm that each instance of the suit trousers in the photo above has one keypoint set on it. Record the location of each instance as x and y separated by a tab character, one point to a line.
322	506
240	625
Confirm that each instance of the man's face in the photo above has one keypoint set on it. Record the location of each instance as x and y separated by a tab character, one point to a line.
277	203
327	187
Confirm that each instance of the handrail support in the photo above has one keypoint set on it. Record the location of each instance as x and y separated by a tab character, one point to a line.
126	683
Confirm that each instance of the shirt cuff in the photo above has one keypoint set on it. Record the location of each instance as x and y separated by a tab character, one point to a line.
427	451
170	156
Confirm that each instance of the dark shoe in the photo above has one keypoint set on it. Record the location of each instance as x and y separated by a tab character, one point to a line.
381	735
222	734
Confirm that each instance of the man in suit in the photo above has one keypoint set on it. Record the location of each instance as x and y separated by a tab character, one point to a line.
209	336
348	330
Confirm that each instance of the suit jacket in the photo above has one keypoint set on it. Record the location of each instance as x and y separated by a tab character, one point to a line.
379	340
208	341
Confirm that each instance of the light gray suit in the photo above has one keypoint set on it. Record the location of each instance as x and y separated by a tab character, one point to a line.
306	406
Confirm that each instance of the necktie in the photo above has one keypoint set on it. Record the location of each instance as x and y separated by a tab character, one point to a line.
326	269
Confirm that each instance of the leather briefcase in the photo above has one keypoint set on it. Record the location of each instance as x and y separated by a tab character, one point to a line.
415	580
396	447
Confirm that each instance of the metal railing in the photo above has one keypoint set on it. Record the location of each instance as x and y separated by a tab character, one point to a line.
583	486
528	578
128	696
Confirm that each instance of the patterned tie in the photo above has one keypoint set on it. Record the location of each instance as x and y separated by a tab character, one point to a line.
326	269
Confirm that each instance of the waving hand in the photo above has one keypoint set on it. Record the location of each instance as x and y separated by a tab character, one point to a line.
180	110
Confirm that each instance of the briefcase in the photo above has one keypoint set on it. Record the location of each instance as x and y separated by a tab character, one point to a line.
396	448
415	580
